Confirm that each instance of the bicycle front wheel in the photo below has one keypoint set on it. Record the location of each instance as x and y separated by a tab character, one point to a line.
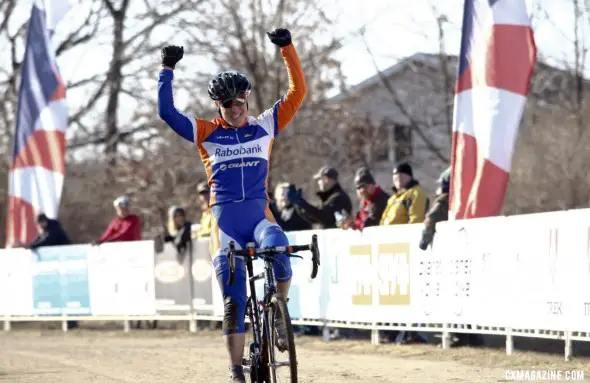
282	355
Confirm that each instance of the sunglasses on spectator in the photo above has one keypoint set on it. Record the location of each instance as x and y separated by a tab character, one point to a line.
226	104
361	186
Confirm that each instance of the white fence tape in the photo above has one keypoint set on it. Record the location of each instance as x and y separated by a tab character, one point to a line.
526	275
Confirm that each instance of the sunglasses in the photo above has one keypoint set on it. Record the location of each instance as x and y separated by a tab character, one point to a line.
361	186
226	104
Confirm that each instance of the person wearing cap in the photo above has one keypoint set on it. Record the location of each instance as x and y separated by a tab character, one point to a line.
439	211
125	227
206	222
373	201
51	233
334	202
409	203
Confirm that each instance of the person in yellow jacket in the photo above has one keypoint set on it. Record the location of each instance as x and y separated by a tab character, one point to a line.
206	215
409	203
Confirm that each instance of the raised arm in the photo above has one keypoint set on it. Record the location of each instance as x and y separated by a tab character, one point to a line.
289	105
286	108
182	124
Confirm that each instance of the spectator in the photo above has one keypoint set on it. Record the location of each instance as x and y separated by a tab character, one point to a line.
125	227
286	215
206	215
439	211
50	233
409	203
373	201
334	200
181	235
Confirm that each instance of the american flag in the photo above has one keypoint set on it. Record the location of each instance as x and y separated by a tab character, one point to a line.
497	58
38	164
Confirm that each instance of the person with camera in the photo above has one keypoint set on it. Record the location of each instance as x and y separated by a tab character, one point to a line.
335	204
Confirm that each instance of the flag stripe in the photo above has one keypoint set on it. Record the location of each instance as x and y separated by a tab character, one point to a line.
505	62
491	115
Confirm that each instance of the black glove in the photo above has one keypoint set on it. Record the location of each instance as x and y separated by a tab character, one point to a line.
423	245
280	37
171	55
294	195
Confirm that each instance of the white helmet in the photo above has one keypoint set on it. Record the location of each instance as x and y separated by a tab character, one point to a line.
122	201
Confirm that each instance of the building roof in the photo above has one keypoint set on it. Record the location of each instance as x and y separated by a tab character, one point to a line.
430	59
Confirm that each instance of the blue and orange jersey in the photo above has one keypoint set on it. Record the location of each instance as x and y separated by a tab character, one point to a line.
236	159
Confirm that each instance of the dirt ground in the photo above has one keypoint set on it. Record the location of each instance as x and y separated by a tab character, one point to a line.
148	356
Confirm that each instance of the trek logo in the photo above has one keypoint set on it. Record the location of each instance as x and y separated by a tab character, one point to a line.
240	151
223	167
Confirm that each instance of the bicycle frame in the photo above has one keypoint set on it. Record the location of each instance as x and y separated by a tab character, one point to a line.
269	290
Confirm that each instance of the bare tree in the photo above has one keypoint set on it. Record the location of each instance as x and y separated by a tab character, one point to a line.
549	170
232	35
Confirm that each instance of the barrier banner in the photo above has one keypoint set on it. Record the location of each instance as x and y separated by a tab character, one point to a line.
203	277
172	281
16	289
122	278
60	280
305	294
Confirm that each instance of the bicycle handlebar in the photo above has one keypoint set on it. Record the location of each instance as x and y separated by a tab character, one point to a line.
268	252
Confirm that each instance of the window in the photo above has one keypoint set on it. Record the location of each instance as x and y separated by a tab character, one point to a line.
402	138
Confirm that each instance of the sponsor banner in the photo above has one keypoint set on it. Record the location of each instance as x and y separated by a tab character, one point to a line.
574	253
172	281
60	280
16	289
305	294
122	278
202	274
523	272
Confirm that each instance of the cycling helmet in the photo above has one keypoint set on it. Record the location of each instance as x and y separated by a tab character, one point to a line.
228	84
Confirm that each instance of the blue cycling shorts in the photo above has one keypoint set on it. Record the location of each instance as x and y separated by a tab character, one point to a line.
243	222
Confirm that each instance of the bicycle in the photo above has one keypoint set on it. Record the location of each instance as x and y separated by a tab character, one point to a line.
261	363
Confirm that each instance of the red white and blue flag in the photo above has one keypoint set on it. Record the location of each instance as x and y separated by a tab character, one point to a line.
38	164
497	58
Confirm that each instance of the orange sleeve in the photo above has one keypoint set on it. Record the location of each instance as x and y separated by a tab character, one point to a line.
297	87
204	129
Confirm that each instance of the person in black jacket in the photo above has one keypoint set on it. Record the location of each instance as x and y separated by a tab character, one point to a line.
373	201
52	234
335	204
285	214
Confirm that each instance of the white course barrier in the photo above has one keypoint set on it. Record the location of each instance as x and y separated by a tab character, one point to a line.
525	275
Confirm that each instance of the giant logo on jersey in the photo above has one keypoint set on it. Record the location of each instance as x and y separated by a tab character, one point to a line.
244	164
239	151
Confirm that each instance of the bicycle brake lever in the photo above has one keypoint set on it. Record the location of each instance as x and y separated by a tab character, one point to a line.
295	256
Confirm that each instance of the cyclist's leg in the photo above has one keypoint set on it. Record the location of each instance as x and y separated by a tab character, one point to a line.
234	296
268	233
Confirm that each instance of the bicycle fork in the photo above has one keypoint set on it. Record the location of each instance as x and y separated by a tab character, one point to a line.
255	346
